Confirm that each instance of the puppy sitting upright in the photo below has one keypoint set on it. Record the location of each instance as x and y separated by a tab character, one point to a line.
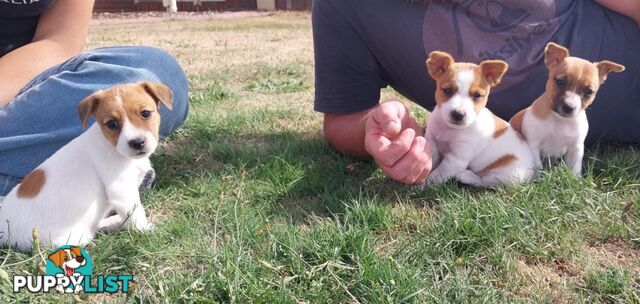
556	123
69	195
475	146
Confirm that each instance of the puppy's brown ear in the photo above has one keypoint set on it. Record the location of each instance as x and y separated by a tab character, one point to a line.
76	251
493	70
554	54
438	63
57	257
606	66
87	106
159	92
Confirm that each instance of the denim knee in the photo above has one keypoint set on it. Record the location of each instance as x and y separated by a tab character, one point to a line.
167	69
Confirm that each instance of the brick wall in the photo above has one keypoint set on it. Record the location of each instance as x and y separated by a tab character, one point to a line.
296	5
113	6
227	5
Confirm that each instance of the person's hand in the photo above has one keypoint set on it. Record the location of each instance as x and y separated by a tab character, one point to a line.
393	142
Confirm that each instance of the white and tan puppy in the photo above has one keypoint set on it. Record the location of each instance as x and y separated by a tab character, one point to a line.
69	195
555	124
472	145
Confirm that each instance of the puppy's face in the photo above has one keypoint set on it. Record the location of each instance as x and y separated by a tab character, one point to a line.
68	259
573	82
463	88
128	116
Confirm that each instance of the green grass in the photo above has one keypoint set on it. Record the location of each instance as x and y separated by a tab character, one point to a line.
251	205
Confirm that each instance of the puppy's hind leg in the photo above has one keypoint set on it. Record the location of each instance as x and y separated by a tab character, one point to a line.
468	177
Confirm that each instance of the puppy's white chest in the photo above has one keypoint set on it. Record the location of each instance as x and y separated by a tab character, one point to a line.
561	136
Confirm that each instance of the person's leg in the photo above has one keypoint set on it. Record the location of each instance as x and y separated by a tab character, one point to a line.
43	117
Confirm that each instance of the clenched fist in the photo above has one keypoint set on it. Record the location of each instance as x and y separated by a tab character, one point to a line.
391	139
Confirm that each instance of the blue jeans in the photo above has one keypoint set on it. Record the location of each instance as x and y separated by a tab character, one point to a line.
43	116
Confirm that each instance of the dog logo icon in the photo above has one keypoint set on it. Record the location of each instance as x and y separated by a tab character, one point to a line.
71	262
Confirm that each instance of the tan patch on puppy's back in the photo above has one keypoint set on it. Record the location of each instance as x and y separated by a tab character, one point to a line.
32	184
516	121
501	127
500	162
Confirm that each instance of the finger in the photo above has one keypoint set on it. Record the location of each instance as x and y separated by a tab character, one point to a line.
428	163
388	155
416	175
408	166
425	172
423	176
388	119
420	172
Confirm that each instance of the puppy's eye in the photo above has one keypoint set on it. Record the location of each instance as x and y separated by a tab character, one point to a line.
476	96
66	258
560	81
112	124
587	92
447	91
145	114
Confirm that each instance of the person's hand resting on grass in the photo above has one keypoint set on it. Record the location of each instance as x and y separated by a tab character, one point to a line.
388	134
395	141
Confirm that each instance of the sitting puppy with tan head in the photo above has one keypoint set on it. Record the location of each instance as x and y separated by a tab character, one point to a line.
555	124
68	197
468	141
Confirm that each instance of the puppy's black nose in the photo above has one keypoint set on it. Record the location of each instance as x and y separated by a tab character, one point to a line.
137	144
567	109
457	116
79	259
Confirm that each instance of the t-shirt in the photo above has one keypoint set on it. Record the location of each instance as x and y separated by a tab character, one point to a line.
363	46
18	22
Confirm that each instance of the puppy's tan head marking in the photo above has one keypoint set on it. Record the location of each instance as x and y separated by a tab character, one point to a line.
128	110
573	82
463	88
32	184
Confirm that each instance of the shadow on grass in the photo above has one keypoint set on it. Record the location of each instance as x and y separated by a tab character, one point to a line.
295	174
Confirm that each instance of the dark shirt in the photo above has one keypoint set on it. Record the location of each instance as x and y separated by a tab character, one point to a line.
363	46
18	22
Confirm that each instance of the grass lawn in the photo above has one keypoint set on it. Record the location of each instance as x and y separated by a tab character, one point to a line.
251	205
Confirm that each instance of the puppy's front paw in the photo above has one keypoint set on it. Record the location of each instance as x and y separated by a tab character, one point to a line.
433	179
146	227
468	177
146	180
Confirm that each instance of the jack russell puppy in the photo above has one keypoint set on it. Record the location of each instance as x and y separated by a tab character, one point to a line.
469	142
555	124
68	197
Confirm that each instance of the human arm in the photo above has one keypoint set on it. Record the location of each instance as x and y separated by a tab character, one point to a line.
61	34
